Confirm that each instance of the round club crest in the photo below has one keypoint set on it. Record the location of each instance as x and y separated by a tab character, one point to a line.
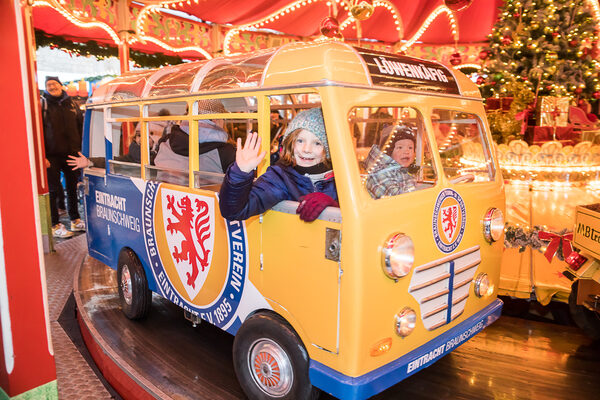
449	219
179	228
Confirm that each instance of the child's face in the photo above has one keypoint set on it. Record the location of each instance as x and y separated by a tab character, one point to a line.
404	152
308	149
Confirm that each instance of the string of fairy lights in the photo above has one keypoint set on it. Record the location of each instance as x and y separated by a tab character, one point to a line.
83	19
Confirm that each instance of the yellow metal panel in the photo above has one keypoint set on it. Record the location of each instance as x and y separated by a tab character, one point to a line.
587	230
296	275
369	299
297	63
264	131
144	160
194	159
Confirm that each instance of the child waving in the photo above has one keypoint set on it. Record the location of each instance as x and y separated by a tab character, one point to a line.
302	174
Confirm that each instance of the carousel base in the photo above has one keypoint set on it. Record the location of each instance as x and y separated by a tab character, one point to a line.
165	357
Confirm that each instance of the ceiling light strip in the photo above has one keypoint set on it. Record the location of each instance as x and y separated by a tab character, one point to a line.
428	21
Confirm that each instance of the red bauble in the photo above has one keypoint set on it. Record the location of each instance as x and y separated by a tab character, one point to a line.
596	95
480	80
516	15
578	90
573	43
506	40
483	54
548	87
457	5
455	59
555	34
330	27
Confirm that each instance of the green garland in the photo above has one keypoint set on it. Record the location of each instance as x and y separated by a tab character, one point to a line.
102	51
515	236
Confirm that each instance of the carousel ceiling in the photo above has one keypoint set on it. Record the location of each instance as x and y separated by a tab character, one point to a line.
390	21
203	28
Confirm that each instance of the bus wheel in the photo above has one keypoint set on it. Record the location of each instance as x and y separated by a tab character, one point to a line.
587	320
134	294
270	361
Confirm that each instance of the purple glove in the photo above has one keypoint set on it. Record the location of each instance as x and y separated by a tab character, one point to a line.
312	204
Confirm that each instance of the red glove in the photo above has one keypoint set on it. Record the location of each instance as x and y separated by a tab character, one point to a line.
312	204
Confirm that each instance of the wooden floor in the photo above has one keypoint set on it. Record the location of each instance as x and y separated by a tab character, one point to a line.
512	359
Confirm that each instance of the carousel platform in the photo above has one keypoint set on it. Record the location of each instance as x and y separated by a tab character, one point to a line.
165	357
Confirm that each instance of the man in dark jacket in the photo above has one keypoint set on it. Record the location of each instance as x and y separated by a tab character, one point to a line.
63	124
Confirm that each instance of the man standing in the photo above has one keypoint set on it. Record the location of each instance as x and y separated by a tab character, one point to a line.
63	124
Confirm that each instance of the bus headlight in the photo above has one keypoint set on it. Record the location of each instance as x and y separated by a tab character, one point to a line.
405	322
483	286
493	225
398	256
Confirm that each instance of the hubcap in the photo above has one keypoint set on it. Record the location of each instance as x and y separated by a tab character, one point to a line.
270	368
126	284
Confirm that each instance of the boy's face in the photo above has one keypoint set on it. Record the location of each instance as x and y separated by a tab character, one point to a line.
404	152
308	149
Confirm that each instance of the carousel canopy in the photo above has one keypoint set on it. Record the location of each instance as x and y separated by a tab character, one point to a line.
202	28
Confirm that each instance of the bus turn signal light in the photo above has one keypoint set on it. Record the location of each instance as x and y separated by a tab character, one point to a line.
381	347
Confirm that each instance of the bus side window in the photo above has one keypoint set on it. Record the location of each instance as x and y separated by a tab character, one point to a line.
392	151
170	162
97	144
217	137
124	157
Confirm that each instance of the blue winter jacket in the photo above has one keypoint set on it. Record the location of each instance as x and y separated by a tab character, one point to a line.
240	198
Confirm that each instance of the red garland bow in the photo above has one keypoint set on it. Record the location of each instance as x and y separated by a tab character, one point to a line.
524	116
554	244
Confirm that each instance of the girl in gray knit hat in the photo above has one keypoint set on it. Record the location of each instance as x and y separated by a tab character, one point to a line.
302	174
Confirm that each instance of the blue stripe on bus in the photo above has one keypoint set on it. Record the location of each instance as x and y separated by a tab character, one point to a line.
450	292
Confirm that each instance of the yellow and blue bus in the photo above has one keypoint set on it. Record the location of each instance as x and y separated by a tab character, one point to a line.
351	303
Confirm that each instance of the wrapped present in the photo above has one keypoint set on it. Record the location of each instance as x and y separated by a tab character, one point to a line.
538	135
498	103
553	111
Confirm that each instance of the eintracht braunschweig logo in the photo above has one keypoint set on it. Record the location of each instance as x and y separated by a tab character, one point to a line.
449	218
189	222
179	232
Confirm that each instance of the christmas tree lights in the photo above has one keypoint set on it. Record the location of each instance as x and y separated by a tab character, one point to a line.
550	46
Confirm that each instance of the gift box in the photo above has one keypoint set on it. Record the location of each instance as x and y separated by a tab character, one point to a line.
553	111
538	135
498	103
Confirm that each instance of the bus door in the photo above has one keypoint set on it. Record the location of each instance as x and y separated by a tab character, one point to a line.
300	269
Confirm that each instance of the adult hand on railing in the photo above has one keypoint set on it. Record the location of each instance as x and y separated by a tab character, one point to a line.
78	162
248	157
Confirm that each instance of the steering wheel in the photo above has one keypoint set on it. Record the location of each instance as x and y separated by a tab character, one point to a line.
463	178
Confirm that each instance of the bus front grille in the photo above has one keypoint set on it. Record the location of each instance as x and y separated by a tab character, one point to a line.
442	287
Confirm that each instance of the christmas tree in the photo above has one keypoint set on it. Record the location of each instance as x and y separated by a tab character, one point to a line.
548	45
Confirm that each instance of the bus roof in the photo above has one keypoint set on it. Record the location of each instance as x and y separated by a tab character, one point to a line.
292	64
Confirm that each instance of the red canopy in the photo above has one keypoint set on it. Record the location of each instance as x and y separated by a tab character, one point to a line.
474	22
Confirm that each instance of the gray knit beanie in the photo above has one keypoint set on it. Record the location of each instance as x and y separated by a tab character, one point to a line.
312	121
